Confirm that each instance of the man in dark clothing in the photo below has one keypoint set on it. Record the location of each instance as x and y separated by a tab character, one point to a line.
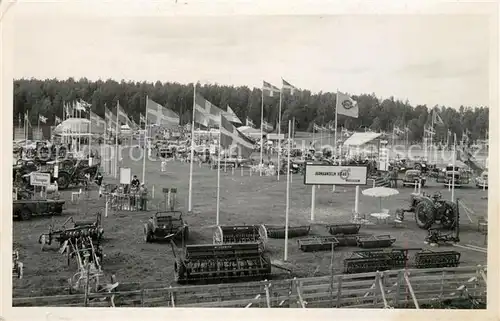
135	182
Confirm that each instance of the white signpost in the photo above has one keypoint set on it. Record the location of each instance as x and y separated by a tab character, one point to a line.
125	176
39	179
333	175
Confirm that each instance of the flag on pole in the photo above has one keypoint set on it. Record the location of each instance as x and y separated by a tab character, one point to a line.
109	118
42	119
206	113
159	115
123	118
346	105
231	116
98	125
57	120
82	105
249	123
267	127
231	138
436	118
270	90
287	87
142	119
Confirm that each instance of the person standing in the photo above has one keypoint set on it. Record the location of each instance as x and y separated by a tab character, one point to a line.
143	197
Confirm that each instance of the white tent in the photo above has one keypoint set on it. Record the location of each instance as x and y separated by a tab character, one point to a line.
73	127
359	139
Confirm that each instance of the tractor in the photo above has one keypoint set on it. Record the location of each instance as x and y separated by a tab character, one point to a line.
430	210
73	173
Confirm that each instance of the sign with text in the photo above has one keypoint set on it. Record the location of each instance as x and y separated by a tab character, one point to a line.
335	175
276	136
39	179
125	176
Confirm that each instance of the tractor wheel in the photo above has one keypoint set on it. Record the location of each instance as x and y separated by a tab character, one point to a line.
148	235
25	214
63	180
423	215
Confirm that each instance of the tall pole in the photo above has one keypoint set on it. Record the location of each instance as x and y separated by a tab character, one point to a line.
453	164
218	178
261	133
144	144
90	132
38	127
335	126
116	140
279	131
190	195
287	209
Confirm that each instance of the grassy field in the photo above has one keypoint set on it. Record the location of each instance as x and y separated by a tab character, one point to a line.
244	200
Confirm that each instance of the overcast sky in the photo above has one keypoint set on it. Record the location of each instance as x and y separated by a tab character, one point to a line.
426	59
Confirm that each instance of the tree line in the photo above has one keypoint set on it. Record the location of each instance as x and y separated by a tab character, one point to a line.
47	98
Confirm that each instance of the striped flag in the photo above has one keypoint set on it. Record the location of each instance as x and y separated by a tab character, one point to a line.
206	113
123	118
346	105
267	127
159	115
98	125
249	123
231	116
231	138
287	87
436	118
108	117
270	90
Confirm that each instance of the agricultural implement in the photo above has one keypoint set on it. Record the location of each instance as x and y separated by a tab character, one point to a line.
436	236
17	266
347	229
324	243
79	230
430	210
220	263
165	226
382	260
73	173
240	234
278	232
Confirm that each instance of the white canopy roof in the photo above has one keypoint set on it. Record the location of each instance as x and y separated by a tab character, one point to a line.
359	139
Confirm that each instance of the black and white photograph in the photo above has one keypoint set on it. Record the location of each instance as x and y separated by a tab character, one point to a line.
168	158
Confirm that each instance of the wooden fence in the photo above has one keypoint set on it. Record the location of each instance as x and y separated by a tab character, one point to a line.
389	289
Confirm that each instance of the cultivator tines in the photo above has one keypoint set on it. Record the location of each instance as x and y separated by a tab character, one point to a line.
348	240
17	266
79	230
430	259
240	234
376	260
346	229
375	241
278	232
222	263
318	243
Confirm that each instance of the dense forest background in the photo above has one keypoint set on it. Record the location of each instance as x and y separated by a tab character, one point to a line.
46	97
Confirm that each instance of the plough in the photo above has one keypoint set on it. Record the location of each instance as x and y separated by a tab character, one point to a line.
88	259
79	230
207	263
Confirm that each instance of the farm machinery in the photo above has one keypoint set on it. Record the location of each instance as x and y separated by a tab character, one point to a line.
278	232
165	226
344	235
388	259
66	234
220	263
430	210
240	234
72	172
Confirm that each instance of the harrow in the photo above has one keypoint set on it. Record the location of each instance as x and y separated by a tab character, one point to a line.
375	241
240	234
320	243
79	230
278	232
346	229
219	263
381	260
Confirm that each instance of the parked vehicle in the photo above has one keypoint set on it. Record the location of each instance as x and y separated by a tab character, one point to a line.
412	176
24	209
482	180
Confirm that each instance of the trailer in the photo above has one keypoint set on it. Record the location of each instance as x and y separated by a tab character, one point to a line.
25	209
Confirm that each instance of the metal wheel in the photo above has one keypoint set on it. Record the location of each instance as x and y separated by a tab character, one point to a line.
424	214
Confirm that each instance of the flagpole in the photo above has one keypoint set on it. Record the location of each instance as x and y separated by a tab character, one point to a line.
261	134
218	176
453	164
190	195
38	129
144	144
90	133
279	131
287	209
335	127
116	141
